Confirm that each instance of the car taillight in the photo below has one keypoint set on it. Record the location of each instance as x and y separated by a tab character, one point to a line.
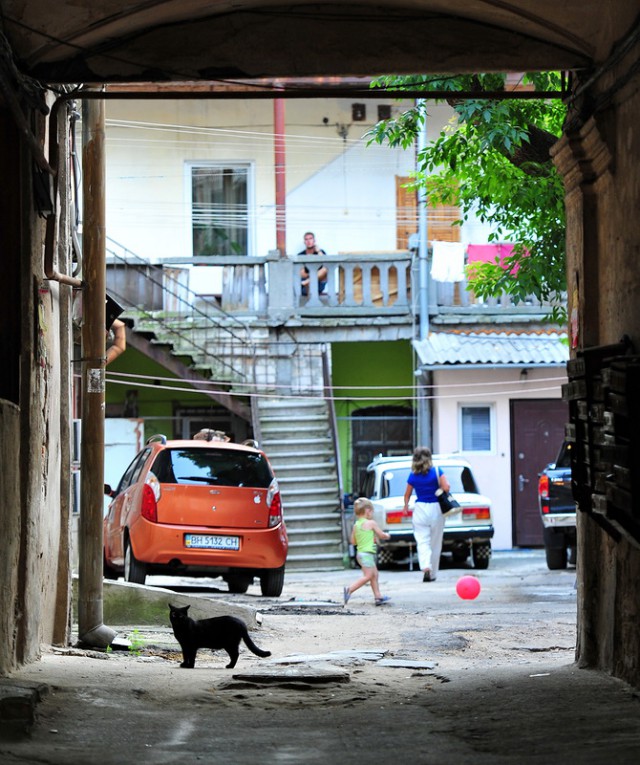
543	487
397	516
274	503
148	505
476	514
543	493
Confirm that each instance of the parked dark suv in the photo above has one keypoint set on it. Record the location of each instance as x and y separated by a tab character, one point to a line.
558	510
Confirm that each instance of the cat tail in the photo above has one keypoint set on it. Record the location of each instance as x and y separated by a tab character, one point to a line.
253	647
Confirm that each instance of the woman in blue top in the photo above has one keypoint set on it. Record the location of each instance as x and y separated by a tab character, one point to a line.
428	520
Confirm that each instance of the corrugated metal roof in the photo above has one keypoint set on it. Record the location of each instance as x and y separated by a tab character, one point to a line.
502	348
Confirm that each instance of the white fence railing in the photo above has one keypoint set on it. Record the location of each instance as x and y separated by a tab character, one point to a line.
357	285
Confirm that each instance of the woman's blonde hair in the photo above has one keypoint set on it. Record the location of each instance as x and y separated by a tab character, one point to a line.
361	505
422	461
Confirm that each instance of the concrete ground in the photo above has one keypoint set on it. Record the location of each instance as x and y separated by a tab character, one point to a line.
429	677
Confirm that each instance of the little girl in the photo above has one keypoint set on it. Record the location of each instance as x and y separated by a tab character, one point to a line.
364	535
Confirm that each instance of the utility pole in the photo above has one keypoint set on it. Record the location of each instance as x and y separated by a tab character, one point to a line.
91	630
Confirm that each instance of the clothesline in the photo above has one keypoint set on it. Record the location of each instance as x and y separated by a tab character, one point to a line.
449	259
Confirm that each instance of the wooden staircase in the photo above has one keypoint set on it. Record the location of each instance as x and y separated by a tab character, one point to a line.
296	435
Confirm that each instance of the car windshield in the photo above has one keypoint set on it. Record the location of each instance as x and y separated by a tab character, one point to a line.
394	481
212	467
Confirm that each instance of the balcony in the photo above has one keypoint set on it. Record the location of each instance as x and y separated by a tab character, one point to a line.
361	285
380	287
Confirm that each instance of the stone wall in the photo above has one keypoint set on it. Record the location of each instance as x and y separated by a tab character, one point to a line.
598	158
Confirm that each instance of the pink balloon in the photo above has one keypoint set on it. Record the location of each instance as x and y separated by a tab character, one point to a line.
468	587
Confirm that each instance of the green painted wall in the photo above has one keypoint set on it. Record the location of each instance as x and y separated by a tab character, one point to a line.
157	402
387	366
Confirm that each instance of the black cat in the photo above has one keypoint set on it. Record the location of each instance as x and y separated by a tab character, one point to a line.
219	632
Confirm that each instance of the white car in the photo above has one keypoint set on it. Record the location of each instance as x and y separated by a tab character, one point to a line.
468	532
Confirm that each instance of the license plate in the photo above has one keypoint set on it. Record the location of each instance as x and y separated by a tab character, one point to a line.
211	542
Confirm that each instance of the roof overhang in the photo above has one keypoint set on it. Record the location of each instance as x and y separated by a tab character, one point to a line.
503	350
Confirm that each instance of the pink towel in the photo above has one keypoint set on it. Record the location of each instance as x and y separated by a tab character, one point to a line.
487	253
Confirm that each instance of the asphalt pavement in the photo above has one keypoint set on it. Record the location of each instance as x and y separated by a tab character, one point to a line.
431	678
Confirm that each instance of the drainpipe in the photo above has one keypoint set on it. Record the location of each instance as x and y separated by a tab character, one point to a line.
51	229
426	379
423	273
279	161
91	630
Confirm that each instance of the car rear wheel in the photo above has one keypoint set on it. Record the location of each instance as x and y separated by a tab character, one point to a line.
238	585
272	582
107	571
481	555
556	557
460	554
134	570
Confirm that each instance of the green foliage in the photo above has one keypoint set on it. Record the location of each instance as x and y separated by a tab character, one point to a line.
492	161
137	643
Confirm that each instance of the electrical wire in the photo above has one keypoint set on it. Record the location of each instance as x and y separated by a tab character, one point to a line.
297	397
352	386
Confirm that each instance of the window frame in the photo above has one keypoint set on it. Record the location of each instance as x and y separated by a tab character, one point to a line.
492	428
247	165
132	473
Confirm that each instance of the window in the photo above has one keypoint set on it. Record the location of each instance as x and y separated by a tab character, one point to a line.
133	471
210	467
476	428
219	209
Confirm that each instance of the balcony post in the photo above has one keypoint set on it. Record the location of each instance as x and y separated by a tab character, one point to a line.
281	279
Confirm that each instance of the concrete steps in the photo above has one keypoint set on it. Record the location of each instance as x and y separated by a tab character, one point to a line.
296	434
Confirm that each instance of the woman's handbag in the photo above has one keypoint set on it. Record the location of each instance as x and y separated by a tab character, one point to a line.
445	498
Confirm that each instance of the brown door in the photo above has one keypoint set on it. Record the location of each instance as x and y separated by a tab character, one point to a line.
440	218
537	427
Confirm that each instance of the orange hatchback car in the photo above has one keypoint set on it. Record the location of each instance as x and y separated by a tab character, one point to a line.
197	508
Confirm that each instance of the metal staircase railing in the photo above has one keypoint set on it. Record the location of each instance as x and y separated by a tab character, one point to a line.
216	320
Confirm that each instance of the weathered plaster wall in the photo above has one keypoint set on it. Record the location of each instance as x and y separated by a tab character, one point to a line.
599	160
34	447
40	457
10	523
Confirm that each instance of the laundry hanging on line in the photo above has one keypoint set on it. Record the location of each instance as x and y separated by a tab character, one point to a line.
447	261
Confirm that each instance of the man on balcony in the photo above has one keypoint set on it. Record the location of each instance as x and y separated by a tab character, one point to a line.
311	248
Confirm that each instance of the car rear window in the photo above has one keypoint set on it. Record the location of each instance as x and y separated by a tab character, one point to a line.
211	467
564	458
460	478
394	482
